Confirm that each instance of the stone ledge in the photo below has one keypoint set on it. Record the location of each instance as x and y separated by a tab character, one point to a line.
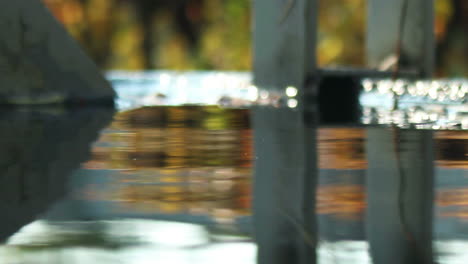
40	63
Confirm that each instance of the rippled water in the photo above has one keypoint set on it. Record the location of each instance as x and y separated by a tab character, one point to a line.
173	184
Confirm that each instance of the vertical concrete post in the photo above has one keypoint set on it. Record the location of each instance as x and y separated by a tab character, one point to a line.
400	195
284	40
387	18
285	138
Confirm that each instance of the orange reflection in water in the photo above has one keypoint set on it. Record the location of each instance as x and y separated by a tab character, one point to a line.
179	160
206	191
198	160
341	149
341	201
453	203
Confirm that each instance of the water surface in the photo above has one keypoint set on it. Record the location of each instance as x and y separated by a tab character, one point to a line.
173	184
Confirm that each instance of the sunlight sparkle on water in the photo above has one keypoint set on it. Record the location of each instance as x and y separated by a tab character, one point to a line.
291	91
292	103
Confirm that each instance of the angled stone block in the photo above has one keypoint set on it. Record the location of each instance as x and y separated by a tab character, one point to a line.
40	63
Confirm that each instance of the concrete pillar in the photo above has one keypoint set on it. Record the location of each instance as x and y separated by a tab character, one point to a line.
284	40
384	20
285	171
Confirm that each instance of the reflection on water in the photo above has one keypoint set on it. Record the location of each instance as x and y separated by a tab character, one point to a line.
186	170
38	148
122	241
173	185
179	160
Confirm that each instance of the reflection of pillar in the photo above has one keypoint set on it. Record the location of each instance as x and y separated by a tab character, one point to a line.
400	195
38	150
284	187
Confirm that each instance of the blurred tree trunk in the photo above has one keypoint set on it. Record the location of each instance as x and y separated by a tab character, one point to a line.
146	9
99	24
185	21
96	36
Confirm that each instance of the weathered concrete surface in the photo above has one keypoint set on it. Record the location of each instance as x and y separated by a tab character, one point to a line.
284	39
39	61
284	33
284	187
384	20
400	195
38	150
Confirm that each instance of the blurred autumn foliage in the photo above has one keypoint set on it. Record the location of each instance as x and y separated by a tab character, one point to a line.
215	34
169	34
341	33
